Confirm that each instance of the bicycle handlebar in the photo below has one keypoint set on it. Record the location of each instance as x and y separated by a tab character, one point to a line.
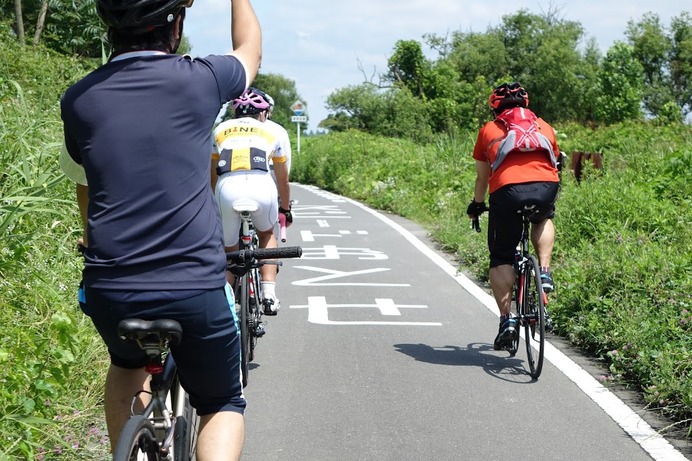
244	256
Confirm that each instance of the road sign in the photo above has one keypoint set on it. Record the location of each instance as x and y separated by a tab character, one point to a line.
299	118
298	108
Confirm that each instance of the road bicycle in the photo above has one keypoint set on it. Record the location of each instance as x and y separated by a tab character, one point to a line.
245	264
528	297
167	427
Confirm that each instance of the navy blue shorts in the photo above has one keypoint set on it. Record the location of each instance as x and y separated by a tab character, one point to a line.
208	357
504	223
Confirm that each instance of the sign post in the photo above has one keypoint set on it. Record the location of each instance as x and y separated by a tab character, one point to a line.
298	109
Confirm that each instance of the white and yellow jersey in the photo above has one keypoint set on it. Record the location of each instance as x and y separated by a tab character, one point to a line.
284	140
244	144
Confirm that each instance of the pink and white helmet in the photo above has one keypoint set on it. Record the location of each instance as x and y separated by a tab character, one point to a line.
251	102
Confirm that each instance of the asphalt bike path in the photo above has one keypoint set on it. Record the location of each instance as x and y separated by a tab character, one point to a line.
382	351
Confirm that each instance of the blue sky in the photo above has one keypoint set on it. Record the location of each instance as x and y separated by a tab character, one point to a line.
324	45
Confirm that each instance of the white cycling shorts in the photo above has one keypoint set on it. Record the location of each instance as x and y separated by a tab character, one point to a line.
243	185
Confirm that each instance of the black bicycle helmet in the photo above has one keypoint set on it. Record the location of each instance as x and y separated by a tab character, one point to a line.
138	16
508	95
251	102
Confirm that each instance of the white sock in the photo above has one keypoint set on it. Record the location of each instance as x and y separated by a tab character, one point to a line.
269	289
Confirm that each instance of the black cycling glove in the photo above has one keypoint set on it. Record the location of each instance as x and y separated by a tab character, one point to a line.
476	208
287	213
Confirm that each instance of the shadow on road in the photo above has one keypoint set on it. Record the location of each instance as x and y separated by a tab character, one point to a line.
482	355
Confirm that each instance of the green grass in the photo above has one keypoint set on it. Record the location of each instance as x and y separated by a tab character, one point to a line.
51	359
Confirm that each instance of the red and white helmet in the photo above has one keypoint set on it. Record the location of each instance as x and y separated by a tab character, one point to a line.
508	95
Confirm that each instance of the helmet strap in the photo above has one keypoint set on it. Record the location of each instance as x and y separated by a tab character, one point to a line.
177	32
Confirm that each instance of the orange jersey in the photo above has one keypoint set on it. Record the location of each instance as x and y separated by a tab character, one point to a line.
518	167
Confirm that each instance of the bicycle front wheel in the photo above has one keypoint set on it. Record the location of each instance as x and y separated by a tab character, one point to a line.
245	334
255	305
137	441
186	426
533	316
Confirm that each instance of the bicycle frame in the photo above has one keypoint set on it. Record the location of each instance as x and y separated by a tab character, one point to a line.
157	410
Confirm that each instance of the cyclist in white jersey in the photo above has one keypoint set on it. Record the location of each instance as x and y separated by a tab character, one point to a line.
243	148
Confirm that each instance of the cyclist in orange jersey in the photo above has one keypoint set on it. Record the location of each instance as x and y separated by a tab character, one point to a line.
516	163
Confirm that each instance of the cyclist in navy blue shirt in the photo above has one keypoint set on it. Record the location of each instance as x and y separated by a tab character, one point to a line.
137	142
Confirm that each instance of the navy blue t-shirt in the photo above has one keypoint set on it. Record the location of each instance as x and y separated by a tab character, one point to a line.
141	128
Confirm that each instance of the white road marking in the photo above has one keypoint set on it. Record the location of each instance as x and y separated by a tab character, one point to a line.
318	312
334	252
333	274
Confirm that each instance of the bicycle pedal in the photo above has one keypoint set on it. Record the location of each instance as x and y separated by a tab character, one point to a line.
260	331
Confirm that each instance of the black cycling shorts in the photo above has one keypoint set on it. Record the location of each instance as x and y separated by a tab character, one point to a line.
208	357
504	223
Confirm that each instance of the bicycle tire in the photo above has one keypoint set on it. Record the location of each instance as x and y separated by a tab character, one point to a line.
245	335
136	439
533	315
255	306
186	427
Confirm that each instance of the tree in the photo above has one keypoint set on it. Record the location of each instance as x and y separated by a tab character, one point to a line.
620	82
393	112
40	22
565	81
681	61
652	48
19	21
479	54
408	67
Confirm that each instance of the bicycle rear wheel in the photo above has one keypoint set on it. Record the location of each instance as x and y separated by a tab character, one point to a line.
533	316
137	441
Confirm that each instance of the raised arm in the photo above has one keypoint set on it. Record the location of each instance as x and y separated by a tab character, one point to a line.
246	36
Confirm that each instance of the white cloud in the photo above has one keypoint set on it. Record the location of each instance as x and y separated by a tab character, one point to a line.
320	44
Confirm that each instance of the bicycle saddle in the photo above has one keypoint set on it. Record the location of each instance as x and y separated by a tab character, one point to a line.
151	335
242	205
528	210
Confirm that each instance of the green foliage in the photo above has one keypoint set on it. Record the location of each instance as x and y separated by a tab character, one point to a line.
681	61
623	255
71	27
49	352
408	67
392	112
620	87
651	46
